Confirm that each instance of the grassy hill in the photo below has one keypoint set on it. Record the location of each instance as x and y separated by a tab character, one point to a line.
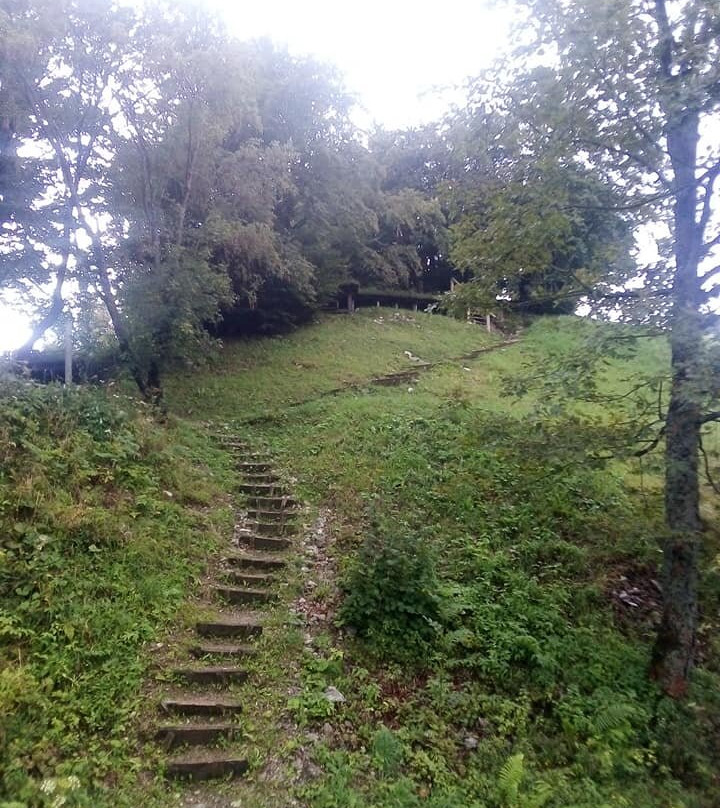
485	568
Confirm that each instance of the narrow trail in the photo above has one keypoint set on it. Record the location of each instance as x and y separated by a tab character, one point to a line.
406	375
201	715
199	721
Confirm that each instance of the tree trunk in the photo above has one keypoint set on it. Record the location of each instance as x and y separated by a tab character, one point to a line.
674	647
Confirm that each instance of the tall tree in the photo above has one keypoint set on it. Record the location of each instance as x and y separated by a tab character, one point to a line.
632	89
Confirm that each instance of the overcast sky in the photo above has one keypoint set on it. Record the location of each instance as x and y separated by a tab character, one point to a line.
401	59
392	53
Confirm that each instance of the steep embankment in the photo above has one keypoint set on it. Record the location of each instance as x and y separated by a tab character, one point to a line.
489	587
465	619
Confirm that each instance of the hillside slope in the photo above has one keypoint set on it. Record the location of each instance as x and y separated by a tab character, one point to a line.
480	571
492	592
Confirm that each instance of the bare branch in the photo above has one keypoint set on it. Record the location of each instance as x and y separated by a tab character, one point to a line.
652	445
706	464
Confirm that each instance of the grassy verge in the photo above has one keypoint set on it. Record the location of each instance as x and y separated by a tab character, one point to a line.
497	598
261	376
106	520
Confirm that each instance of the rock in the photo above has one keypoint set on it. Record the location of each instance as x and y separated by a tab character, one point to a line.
470	742
333	695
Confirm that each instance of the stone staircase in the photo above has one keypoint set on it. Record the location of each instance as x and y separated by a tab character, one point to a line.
200	722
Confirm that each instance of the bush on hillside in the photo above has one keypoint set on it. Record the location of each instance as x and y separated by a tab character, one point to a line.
392	593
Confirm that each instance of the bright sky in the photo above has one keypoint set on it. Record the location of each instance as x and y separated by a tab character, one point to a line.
400	58
392	52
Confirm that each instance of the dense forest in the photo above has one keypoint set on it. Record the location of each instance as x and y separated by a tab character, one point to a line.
167	188
179	183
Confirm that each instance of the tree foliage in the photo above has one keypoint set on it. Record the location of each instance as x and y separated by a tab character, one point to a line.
193	182
629	90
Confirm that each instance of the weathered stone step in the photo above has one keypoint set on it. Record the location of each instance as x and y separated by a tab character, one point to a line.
242	594
264	477
251	579
401	377
254	466
262	489
265	515
174	735
230	625
206	765
261	542
257	561
235	443
266	527
222	649
273	503
212	674
200	704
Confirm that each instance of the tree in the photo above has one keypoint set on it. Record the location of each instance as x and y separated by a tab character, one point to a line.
537	240
631	89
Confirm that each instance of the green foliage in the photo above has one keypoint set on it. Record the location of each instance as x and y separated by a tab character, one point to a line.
392	592
100	538
535	238
529	525
318	673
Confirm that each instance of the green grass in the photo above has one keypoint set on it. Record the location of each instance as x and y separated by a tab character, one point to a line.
106	520
261	376
482	544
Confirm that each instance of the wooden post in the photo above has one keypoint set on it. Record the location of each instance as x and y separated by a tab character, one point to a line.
350	302
488	320
415	307
377	304
68	349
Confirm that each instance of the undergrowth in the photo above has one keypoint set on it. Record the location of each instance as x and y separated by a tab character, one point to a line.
105	518
492	656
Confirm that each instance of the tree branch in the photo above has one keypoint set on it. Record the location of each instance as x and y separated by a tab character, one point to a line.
652	445
706	463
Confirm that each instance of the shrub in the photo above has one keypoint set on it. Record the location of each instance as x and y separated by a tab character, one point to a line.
392	593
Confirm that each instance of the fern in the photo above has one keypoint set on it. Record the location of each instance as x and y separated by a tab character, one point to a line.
509	778
612	717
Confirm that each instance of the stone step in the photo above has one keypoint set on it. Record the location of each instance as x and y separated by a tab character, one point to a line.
254	466
251	579
200	704
264	477
206	765
230	625
262	489
212	675
254	541
242	594
265	515
174	735
222	649
265	527
272	503
257	561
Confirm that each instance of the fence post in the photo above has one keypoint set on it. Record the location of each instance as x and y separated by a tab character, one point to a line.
68	348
